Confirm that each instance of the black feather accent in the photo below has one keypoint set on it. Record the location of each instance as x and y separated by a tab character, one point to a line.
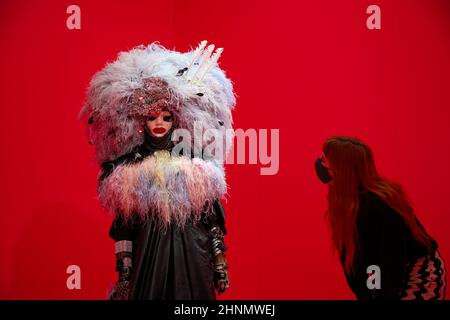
181	71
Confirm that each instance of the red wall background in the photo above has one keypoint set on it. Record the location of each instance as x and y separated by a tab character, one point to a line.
309	68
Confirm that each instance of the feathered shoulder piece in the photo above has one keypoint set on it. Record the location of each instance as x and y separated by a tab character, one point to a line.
166	188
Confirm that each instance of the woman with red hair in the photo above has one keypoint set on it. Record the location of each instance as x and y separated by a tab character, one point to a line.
374	227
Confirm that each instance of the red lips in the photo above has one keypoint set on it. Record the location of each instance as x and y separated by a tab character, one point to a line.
159	130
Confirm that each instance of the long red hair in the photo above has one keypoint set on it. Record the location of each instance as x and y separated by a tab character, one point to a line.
354	168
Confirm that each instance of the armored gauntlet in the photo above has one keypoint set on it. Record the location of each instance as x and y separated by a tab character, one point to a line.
123	251
221	280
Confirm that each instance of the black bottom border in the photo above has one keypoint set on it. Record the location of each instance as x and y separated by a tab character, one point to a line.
229	309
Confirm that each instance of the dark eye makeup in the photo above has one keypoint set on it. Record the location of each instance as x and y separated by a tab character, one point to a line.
165	118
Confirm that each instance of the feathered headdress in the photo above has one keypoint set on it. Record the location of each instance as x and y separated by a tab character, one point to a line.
147	79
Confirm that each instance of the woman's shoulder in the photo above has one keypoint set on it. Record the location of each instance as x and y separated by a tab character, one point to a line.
376	213
371	200
375	209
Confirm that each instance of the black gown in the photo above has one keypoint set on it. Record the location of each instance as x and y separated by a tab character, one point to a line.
174	264
171	265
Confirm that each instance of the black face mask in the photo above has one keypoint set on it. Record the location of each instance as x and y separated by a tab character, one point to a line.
322	171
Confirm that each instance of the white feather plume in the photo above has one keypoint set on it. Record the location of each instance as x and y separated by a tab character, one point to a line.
204	60
213	61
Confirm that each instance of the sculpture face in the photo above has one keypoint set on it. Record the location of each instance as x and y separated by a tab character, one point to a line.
159	123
